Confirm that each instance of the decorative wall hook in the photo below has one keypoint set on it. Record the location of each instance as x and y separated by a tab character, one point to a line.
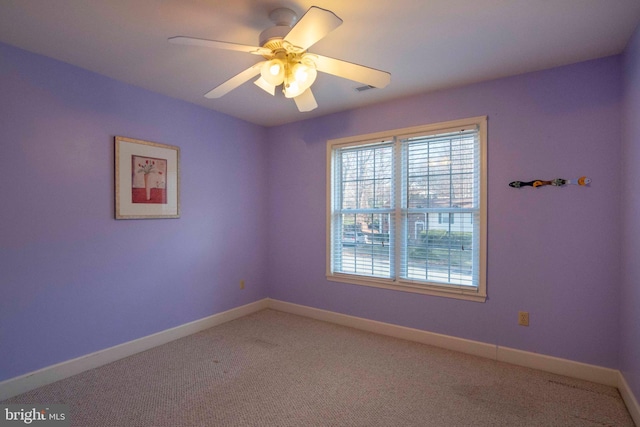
558	182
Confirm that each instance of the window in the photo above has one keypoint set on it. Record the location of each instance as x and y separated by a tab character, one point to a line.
445	218
406	209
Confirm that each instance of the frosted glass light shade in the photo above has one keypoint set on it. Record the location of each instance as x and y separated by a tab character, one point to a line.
273	72
305	75
300	79
291	88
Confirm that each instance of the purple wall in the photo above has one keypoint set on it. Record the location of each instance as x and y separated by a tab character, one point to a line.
630	305
552	251
73	279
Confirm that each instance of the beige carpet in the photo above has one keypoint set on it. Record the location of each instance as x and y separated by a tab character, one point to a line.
278	369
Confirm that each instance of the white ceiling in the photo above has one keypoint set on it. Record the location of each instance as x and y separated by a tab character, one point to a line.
425	44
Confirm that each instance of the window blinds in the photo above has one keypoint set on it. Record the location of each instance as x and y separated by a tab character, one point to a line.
440	208
364	209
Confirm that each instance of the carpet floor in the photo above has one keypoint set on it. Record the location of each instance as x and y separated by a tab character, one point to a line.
277	369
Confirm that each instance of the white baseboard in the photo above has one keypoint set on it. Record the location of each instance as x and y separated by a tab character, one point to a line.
444	341
629	399
556	365
44	376
541	362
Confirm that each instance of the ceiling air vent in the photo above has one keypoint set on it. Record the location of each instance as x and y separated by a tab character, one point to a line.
365	87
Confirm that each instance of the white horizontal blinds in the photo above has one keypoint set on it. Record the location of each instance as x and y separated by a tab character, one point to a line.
441	208
363	213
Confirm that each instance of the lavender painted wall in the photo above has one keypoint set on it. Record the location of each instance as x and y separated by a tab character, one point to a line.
630	301
551	251
73	280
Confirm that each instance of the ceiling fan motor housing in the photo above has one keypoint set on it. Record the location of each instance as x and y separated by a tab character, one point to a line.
284	19
271	38
283	16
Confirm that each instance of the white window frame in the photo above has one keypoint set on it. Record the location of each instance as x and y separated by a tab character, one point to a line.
470	293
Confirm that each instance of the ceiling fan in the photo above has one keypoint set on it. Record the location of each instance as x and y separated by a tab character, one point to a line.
286	59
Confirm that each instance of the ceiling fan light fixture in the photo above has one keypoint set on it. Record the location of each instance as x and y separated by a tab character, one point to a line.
291	88
300	76
304	75
273	72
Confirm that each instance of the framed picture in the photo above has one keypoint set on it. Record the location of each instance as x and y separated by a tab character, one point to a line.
147	179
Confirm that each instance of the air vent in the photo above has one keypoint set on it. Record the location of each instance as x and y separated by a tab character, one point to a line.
365	87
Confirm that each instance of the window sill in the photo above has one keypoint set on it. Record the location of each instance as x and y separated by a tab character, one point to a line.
441	291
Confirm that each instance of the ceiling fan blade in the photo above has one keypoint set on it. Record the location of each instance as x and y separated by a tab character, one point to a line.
306	101
191	41
265	85
355	72
235	81
313	26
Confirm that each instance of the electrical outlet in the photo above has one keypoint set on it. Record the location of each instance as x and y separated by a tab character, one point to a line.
523	318
241	284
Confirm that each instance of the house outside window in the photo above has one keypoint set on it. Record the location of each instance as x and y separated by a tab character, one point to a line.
406	209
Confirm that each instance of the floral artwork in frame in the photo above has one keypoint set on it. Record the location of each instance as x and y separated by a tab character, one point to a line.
148	182
146	178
